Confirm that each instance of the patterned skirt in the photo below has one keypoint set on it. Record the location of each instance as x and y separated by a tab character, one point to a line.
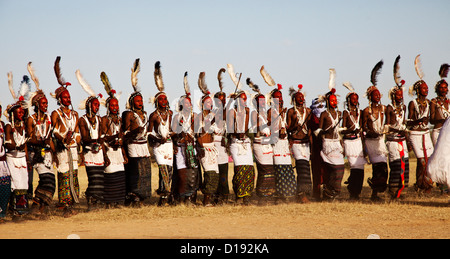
165	179
138	172
114	191
285	183
46	189
243	180
265	184
68	188
5	193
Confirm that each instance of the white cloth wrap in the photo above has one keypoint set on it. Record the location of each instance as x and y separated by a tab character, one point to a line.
282	153
223	155
417	138
63	160
395	147
376	149
332	152
263	153
17	163
209	160
353	150
164	153
241	152
301	151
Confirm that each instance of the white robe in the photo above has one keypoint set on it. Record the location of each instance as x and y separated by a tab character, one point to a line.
438	167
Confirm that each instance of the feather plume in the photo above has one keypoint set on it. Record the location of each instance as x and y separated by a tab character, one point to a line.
332	80
134	72
86	87
292	91
33	75
219	78
58	73
254	87
10	85
158	77
375	72
25	87
418	67
443	71
202	83
349	86
397	76
187	89
267	78
232	74
106	83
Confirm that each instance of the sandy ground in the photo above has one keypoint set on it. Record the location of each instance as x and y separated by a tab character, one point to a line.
414	217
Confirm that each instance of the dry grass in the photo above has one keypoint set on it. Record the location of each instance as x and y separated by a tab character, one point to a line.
412	217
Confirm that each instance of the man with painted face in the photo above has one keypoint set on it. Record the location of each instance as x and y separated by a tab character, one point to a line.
92	144
187	174
161	139
220	141
417	122
353	143
396	143
208	154
16	157
332	150
373	126
113	152
300	138
41	149
240	149
135	128
286	185
439	107
66	135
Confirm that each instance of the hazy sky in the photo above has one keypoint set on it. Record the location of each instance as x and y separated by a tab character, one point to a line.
296	41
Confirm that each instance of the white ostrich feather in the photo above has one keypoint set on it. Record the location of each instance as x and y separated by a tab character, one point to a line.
418	67
332	80
10	85
232	74
267	78
33	75
86	87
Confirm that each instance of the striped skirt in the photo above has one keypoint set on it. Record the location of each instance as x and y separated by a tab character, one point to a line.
138	173
285	183
96	188
243	180
332	179
265	183
304	184
46	189
114	191
186	182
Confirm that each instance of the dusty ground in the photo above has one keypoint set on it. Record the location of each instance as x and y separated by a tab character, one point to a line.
411	218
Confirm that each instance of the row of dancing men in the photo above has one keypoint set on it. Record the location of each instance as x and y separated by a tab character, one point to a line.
192	149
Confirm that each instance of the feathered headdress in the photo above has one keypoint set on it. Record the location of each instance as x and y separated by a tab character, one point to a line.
21	98
374	78
187	91
203	88
109	90
85	104
418	67
293	92
134	83
270	82
351	91
237	81
257	91
443	72
397	79
331	87
38	94
61	81
157	74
